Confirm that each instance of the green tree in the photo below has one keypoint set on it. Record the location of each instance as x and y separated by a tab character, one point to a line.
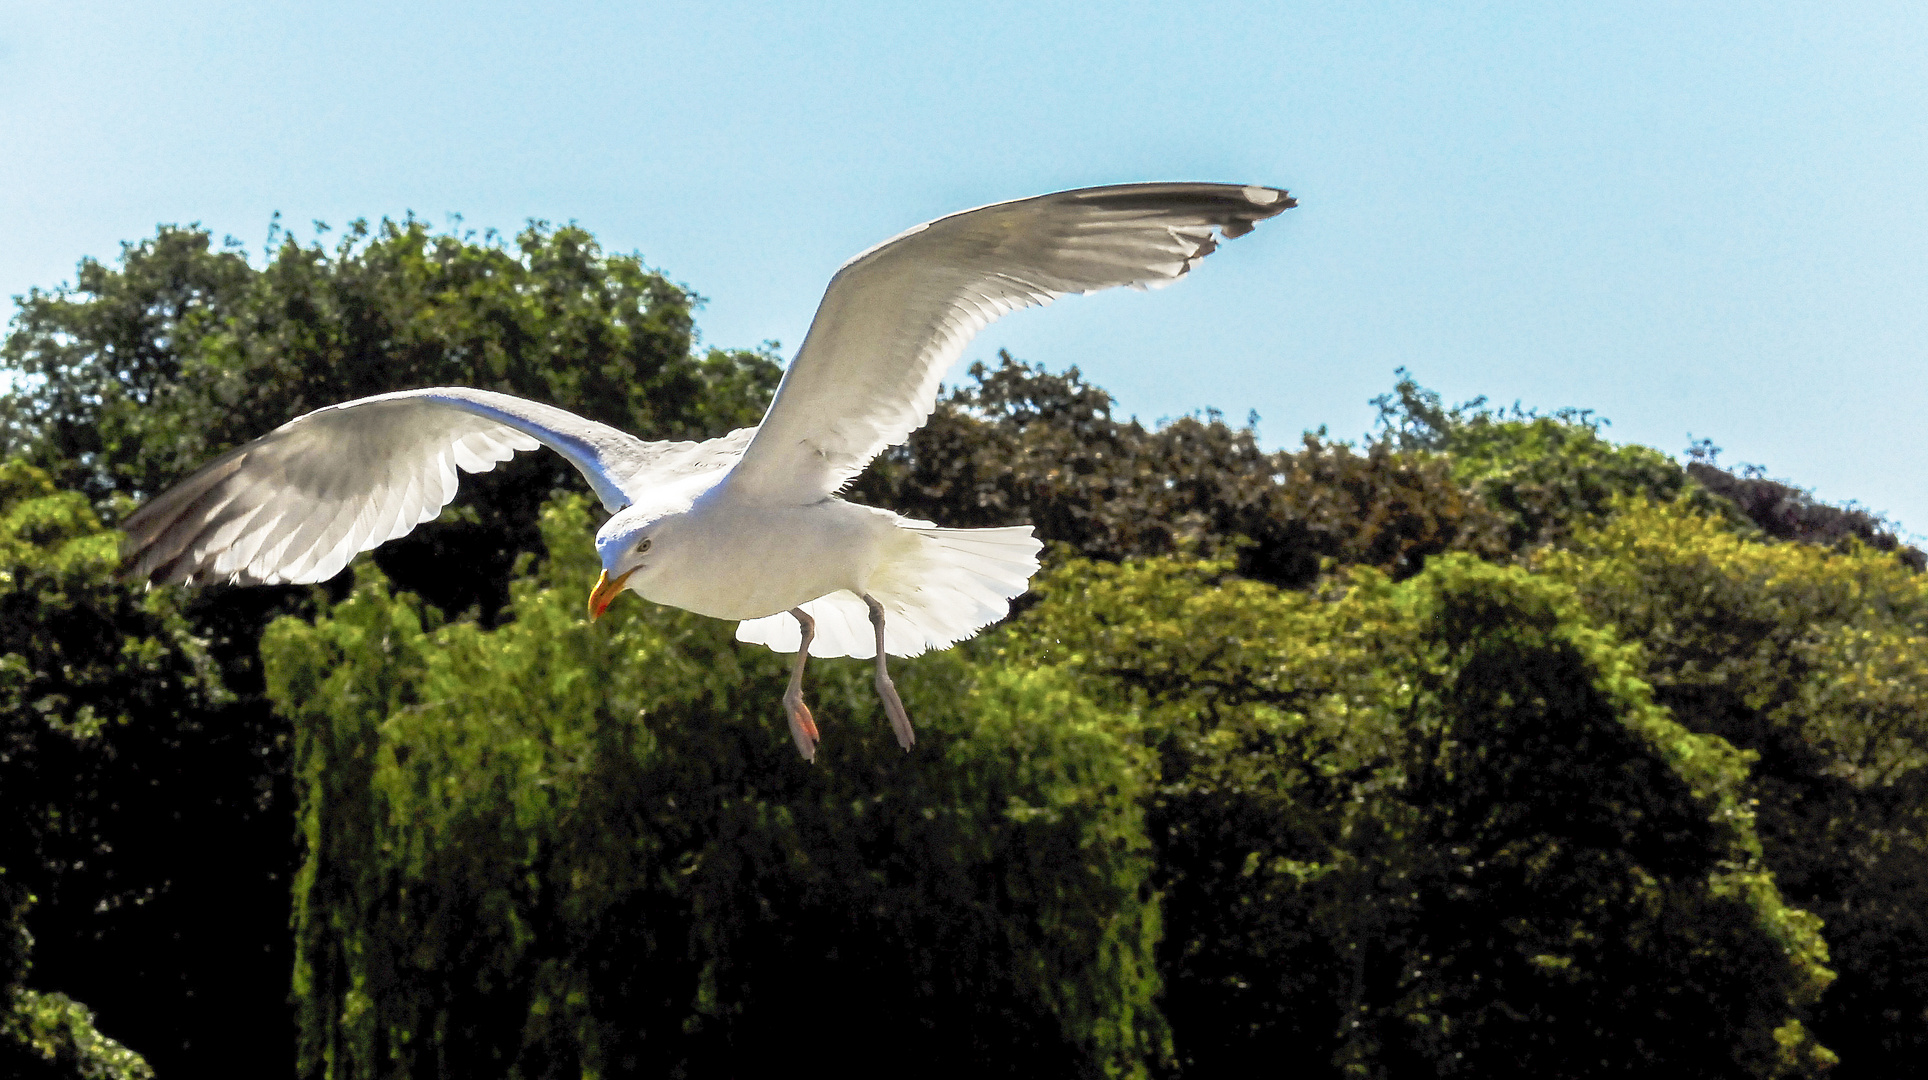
1810	659
554	848
1435	827
142	372
144	369
1274	764
43	1035
1022	444
87	667
1544	475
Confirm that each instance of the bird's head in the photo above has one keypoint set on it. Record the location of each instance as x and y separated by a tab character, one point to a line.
629	544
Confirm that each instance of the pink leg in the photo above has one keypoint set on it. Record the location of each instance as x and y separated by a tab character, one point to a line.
803	728
893	705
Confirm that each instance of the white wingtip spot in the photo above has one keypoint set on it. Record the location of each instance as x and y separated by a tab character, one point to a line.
1259	195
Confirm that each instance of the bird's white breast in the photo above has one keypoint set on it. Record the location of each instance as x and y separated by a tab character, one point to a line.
728	560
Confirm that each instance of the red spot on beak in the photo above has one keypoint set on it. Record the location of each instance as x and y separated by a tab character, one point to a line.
606	590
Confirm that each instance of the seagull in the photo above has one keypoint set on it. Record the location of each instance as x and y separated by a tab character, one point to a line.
747	527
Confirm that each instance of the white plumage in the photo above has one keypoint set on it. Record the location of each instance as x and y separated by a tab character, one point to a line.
747	526
953	584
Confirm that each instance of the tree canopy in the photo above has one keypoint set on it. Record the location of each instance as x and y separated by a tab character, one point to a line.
127	381
1481	745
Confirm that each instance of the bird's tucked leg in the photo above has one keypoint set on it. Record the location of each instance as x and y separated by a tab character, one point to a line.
802	727
893	705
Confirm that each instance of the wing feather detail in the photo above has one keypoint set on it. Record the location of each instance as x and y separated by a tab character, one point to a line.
297	504
896	317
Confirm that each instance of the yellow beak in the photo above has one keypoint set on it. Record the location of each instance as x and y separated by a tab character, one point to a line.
606	590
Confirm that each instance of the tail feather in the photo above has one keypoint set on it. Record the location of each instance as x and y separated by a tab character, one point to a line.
940	587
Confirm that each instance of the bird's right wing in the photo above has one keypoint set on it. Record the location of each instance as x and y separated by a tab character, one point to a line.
296	504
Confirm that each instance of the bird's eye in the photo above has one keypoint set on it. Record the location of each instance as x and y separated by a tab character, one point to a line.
642	547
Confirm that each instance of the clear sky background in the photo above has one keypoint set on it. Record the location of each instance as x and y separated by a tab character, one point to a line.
1694	218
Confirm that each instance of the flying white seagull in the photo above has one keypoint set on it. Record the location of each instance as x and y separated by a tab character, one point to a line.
748	526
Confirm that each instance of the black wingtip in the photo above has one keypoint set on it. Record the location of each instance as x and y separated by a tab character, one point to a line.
1234	208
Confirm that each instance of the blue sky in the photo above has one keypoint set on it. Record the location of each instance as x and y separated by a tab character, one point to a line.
1703	219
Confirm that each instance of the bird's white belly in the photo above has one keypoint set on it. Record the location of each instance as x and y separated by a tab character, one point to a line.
746	562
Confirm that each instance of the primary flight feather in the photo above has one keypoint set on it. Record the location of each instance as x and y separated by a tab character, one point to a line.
748	526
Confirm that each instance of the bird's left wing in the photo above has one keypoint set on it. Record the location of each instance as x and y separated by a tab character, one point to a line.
896	317
296	504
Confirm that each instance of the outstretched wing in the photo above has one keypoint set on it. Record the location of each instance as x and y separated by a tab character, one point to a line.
296	504
895	317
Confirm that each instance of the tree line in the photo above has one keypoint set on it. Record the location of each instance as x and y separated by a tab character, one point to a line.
1481	745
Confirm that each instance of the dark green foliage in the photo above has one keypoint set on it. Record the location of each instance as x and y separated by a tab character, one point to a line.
1811	660
1435	828
1484	747
1544	475
48	1036
1786	512
96	358
122	789
141	373
175	922
1026	445
555	847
